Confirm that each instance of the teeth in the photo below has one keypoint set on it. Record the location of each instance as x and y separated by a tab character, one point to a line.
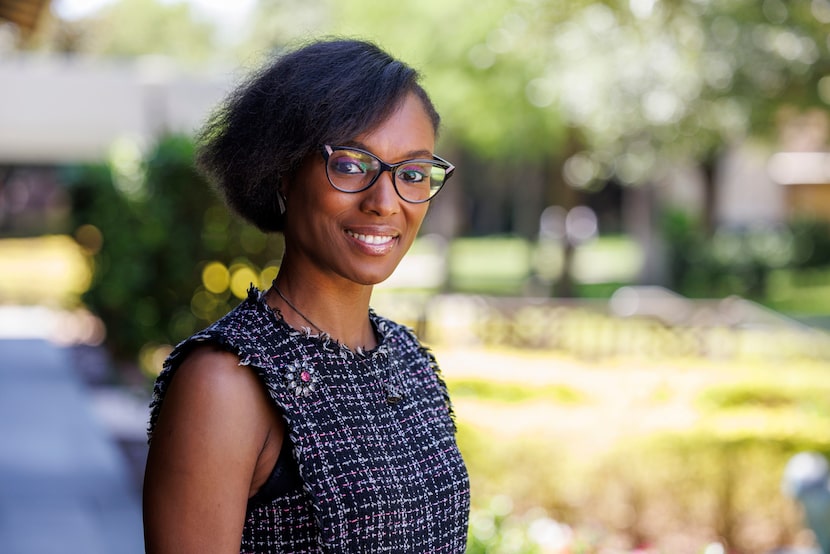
371	239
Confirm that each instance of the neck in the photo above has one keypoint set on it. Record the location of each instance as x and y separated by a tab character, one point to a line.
341	314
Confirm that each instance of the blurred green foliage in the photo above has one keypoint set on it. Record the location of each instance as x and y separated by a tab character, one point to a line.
169	259
495	265
151	225
783	266
719	476
497	529
703	484
585	89
806	399
619	88
545	102
125	29
510	392
525	469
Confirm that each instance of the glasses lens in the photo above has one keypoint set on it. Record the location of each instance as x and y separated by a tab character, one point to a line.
418	181
352	171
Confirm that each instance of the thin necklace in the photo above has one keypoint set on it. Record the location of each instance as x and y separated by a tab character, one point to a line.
293	307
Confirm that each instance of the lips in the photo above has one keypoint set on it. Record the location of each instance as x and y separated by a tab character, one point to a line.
372	240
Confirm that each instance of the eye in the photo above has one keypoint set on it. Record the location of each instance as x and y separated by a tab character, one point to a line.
413	174
349	165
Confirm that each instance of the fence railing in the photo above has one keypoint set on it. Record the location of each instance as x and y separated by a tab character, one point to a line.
643	322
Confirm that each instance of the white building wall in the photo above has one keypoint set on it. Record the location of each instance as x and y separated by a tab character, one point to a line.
746	194
67	109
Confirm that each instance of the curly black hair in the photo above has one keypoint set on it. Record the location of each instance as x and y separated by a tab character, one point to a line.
326	92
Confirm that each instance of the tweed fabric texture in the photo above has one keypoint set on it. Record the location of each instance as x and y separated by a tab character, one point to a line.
372	433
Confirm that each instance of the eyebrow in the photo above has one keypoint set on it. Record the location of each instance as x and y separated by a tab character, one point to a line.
411	155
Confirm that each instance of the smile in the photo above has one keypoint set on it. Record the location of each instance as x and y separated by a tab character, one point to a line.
375	240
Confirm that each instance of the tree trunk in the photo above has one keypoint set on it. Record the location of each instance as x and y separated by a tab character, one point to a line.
640	221
709	167
560	193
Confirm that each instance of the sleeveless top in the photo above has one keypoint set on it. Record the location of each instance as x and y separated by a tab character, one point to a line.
371	433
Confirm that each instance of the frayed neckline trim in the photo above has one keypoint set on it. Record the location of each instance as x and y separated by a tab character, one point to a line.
326	341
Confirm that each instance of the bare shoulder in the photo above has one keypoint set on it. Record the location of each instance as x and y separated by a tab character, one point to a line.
211	385
204	456
208	366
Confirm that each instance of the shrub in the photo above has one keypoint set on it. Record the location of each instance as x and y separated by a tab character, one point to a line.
155	225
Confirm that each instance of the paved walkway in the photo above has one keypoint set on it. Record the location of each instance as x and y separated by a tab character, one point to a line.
65	486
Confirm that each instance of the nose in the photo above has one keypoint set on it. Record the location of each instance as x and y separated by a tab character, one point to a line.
381	198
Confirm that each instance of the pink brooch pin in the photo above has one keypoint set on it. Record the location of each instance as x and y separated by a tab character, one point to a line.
301	378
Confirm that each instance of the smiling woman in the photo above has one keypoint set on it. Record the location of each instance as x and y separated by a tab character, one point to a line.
302	421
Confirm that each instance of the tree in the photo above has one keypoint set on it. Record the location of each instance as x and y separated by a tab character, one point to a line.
570	95
132	28
169	257
621	90
650	83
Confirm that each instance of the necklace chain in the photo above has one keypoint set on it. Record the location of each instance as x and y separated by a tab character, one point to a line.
293	307
393	393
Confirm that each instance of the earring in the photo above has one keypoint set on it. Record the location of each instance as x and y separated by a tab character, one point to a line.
281	202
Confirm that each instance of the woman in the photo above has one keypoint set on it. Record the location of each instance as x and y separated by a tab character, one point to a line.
302	421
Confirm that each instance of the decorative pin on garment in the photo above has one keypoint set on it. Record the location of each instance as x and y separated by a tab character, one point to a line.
393	394
301	378
391	386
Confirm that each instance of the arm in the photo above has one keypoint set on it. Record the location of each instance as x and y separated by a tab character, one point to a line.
205	456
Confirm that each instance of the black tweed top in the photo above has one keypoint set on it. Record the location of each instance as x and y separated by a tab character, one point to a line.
372	434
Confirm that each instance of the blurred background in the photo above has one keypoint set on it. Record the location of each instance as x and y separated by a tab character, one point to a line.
627	283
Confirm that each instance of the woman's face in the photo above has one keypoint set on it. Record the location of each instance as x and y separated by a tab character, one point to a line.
360	237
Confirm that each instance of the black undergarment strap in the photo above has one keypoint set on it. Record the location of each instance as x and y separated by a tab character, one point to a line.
284	478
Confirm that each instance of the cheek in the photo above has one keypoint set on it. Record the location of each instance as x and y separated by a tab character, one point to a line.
321	202
415	216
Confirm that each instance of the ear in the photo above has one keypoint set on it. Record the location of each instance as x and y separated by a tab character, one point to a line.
292	179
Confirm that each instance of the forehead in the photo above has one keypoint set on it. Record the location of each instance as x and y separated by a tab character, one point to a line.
408	129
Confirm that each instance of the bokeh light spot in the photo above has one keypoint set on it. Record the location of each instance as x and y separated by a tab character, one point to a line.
824	89
541	93
253	240
127	168
242	276
267	276
90	238
216	278
151	358
579	170
203	304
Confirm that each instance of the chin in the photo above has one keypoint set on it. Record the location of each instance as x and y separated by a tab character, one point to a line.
371	279
370	276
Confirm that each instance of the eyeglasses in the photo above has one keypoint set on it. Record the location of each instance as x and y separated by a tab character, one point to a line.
354	170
